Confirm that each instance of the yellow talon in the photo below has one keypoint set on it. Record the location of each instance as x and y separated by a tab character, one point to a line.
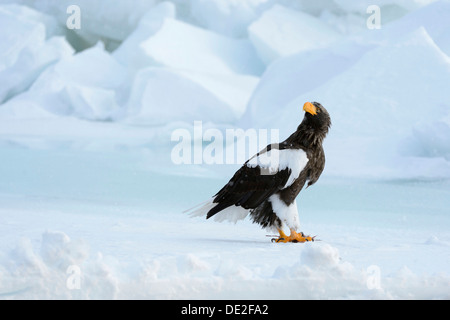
293	237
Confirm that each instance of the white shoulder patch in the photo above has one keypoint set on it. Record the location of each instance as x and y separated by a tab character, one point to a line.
275	160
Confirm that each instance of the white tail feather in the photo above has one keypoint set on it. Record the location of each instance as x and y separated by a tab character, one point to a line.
232	214
201	209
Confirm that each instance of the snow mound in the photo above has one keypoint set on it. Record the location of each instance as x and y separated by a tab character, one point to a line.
27	47
20	109
321	258
280	32
183	46
435	18
234	90
361	6
321	269
431	140
89	85
160	95
25	14
130	53
391	92
100	20
287	78
386	89
62	268
433	240
59	267
227	17
59	251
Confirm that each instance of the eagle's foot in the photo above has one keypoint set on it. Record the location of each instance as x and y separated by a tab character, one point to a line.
293	237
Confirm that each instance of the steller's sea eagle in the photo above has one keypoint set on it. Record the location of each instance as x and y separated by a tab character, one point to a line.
267	184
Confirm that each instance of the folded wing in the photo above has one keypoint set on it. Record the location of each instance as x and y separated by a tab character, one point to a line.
269	171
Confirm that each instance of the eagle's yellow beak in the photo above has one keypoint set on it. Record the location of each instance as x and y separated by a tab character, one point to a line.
310	108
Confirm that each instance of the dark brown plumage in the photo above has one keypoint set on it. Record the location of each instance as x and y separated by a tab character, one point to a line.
270	198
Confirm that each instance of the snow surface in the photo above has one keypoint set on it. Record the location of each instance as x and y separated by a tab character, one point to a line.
119	223
92	202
